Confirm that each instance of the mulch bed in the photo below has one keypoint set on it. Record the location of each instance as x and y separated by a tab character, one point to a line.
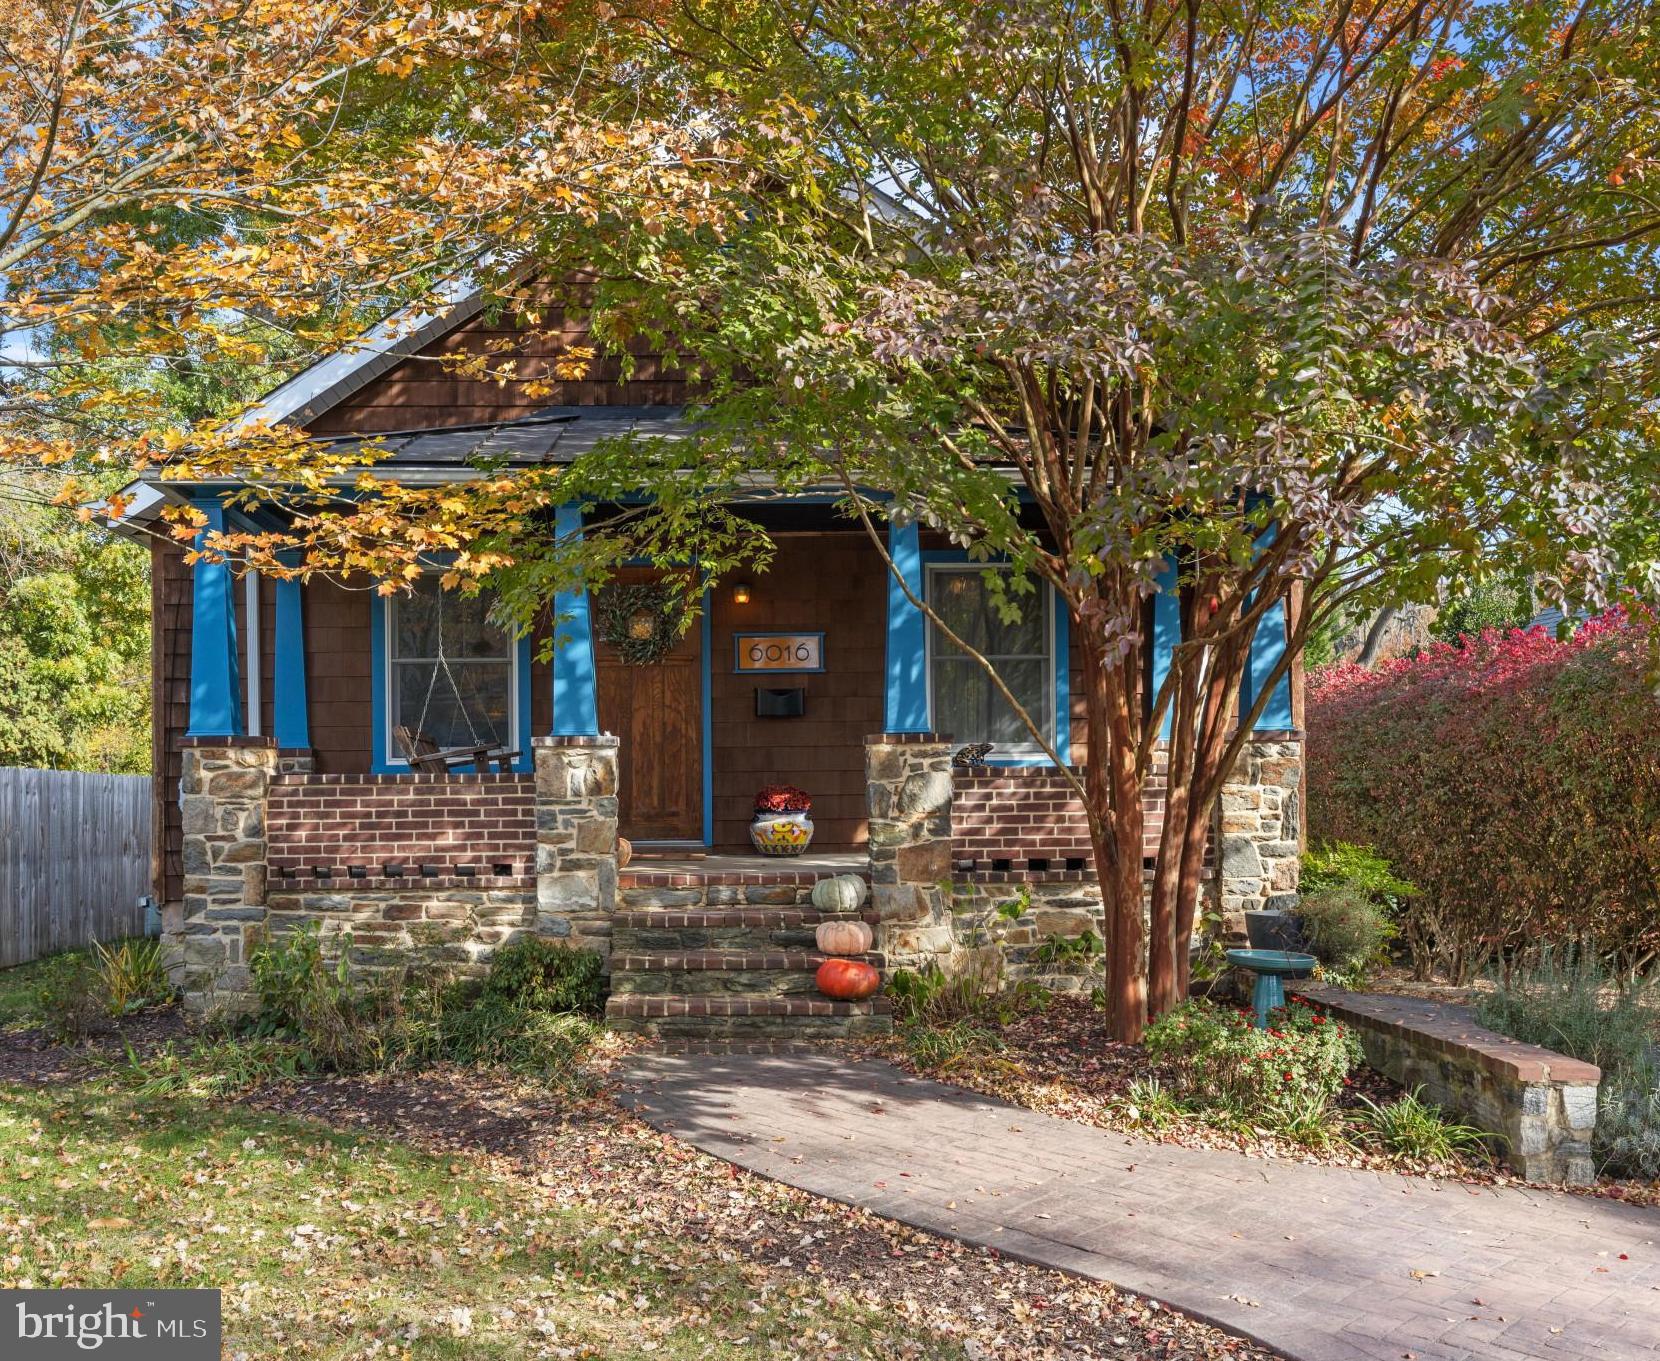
1061	1062
34	1057
587	1152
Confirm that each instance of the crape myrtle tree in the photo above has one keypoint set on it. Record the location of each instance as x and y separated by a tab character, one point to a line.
1294	307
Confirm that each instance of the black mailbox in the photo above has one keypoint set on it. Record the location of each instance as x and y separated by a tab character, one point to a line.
780	702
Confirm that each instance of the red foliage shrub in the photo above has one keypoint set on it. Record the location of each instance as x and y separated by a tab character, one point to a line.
1514	779
783	798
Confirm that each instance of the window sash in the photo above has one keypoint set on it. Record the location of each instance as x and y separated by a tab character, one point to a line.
399	664
1044	710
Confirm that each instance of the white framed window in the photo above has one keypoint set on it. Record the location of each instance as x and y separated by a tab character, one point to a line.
451	672
961	696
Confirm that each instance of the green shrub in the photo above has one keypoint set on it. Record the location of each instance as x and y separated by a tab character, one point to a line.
1219	1060
346	1026
525	1015
544	975
1343	864
70	999
1347	930
1569	1002
942	1046
977	993
132	976
1628	1124
1413	1128
494	1033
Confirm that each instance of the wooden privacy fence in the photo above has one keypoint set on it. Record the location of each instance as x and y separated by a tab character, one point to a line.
74	859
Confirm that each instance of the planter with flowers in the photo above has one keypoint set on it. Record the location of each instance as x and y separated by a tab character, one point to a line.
783	822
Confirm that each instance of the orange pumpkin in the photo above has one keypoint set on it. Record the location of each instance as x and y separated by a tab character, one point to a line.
847	980
845	936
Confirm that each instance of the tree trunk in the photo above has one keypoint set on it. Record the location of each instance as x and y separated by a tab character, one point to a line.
1116	834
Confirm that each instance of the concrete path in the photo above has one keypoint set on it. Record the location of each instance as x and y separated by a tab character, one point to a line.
1322	1264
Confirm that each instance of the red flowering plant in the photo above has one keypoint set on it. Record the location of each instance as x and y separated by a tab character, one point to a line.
1514	778
783	798
1217	1059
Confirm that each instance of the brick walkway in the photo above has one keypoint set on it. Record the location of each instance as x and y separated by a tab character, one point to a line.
1322	1264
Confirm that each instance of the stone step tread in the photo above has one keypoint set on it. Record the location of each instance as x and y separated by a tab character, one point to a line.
648	1005
696	961
737	915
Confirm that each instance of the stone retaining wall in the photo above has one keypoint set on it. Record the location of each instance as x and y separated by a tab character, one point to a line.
1544	1104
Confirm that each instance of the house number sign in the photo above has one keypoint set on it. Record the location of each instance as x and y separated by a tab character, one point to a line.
779	651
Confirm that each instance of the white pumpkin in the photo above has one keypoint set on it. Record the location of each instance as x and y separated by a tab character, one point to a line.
844	936
840	893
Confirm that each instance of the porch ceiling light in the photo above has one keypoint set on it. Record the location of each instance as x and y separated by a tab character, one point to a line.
740	593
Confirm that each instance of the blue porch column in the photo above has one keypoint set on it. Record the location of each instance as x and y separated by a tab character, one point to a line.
290	718
1267	647
575	704
1266	650
906	708
215	684
1167	632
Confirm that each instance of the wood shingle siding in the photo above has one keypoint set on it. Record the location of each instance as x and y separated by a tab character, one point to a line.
424	391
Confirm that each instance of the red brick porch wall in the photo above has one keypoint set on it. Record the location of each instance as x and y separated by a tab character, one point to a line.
1004	818
394	826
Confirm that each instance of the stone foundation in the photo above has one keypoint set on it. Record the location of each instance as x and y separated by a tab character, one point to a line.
909	786
576	840
222	791
1259	829
458	923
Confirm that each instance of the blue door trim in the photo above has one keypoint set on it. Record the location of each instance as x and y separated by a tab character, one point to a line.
707	636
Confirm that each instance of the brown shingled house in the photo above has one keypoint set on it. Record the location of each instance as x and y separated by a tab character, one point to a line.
283	792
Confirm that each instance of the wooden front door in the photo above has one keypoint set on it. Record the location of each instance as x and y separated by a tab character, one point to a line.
656	710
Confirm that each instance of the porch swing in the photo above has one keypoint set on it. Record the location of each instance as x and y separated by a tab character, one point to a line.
424	755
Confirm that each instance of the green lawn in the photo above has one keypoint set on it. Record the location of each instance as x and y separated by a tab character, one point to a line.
18	1005
333	1245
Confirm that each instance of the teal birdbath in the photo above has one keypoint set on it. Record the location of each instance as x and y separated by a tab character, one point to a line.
1271	967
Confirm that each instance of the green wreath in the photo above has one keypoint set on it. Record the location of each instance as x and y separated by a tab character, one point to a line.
637	621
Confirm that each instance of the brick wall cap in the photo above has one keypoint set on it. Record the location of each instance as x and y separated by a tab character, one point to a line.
228	741
1451	1029
907	739
603	739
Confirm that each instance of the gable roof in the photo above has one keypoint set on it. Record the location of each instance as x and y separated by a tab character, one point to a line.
329	381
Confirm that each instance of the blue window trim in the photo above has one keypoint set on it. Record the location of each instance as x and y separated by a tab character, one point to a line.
381	759
1060	658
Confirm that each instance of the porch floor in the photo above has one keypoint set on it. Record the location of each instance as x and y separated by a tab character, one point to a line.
736	868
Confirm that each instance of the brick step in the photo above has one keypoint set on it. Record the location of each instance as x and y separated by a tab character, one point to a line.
765	973
729	928
747	1016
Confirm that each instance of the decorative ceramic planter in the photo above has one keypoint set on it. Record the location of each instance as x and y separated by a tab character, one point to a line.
781	833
